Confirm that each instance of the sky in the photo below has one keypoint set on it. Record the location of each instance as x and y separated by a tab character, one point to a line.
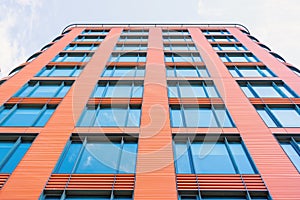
28	25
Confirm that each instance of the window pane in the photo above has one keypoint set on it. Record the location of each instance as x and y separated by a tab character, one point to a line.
45	91
63	91
202	117
99	91
15	158
22	117
128	158
288	117
266	72
191	91
233	73
267	119
182	159
266	91
240	58
137	91
285	91
223	118
247	92
124	71
170	72
111	117
43	119
108	72
211	158
173	92
68	161
211	90
118	90
62	72
292	154
26	91
176	117
186	72
241	158
249	72
134	117
99	158
88	117
5	147
203	72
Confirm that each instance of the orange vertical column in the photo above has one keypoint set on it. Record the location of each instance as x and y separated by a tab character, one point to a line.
32	173
279	174
282	71
155	173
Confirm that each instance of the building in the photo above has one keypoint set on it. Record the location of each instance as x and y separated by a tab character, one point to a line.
110	111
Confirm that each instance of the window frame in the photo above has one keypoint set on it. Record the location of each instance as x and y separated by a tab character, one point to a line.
227	57
266	108
211	107
33	86
202	84
140	57
272	84
85	139
293	141
115	68
260	70
175	55
75	73
61	57
107	84
17	139
97	109
225	139
198	70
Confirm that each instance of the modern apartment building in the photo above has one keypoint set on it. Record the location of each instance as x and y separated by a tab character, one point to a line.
151	111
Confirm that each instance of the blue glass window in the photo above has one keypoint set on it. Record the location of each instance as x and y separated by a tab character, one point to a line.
186	71
206	155
182	57
280	116
125	89
82	47
196	116
12	150
95	32
128	57
176	32
135	32
131	38
221	38
291	146
53	71
229	47
44	89
180	47
72	57
238	57
120	71
111	116
215	32
191	89
25	115
250	71
263	89
177	38
98	155
90	38
131	47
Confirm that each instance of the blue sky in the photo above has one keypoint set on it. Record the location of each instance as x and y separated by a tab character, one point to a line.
27	25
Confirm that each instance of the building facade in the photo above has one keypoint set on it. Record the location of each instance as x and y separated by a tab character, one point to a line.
151	112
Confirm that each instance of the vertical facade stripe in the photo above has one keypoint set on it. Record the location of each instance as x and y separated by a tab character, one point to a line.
155	174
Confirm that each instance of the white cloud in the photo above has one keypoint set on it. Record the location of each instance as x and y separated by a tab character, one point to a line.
16	21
